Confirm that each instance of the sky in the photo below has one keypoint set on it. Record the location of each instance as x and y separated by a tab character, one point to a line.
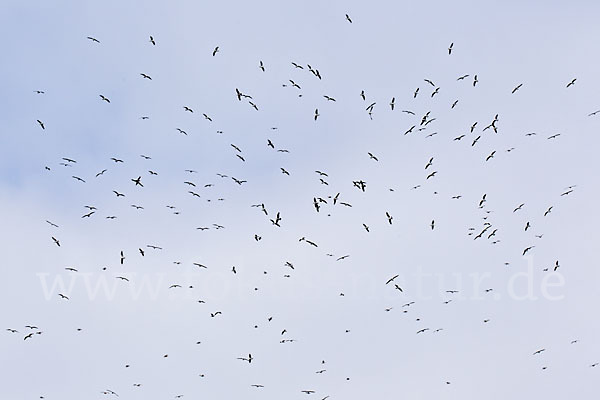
491	167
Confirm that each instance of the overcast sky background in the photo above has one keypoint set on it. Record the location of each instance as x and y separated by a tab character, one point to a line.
387	51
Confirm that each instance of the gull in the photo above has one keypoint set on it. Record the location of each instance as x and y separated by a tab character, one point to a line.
460	78
145	76
519	207
152	41
249	359
348	18
52	224
372	157
122	278
490	156
392	103
41	124
78	178
215	51
329	98
554	136
539	351
571	83
431	175
62	296
118	194
104	98
316	113
261	66
594	113
56	241
122	257
101	173
207	117
181	131
454	104
475	80
548	211
362	94
93	39
450	48
342	257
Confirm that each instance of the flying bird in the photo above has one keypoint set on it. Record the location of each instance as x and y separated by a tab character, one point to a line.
516	88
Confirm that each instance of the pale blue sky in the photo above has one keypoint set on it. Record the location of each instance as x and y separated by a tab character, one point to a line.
388	51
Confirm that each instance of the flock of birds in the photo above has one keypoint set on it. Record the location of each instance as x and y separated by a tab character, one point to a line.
275	216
